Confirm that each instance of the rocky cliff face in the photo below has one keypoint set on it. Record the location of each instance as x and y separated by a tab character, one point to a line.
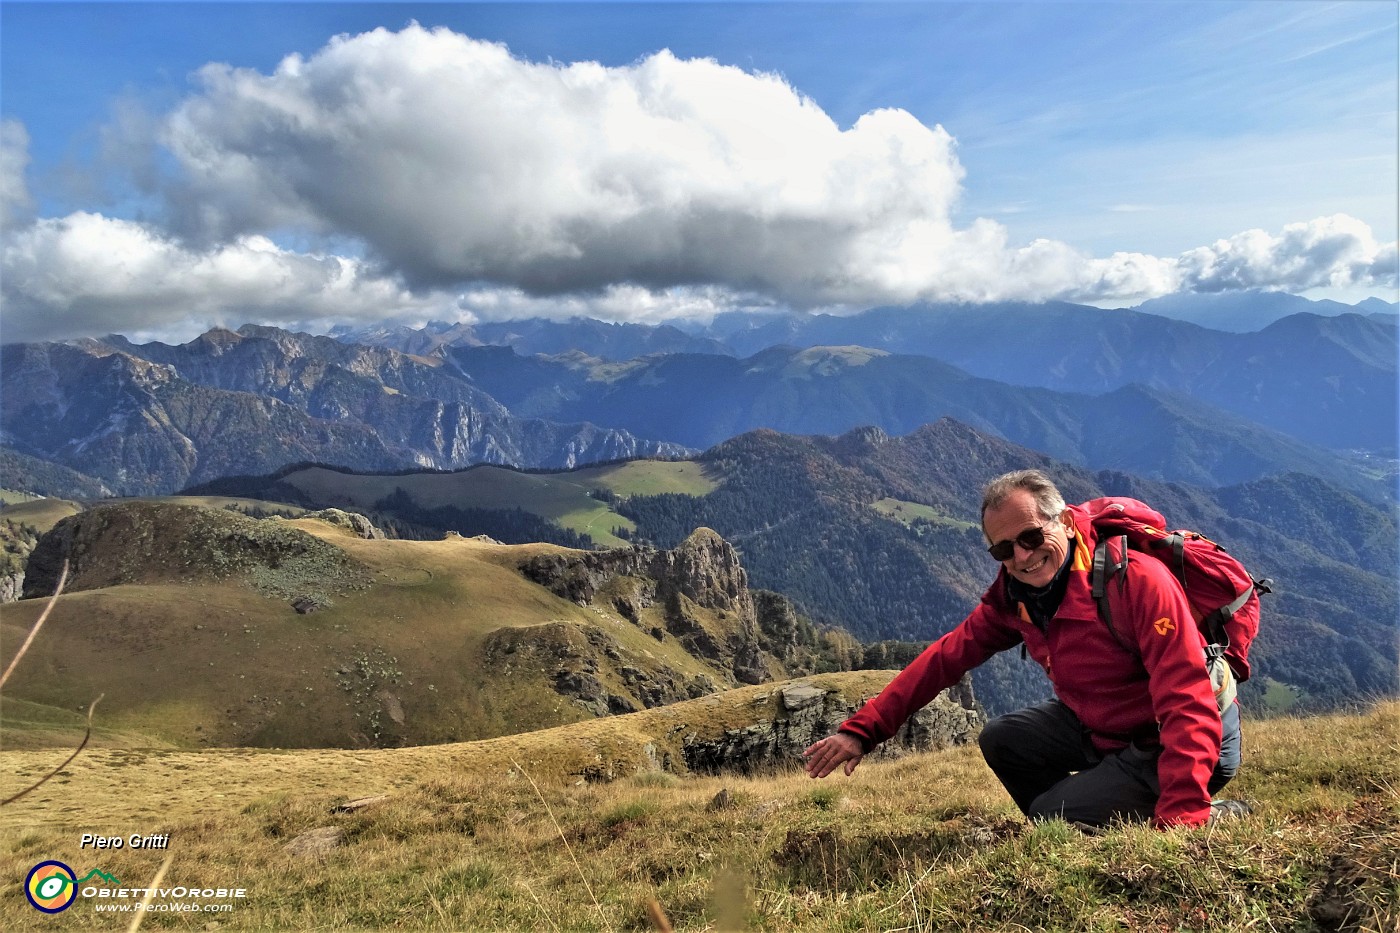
697	593
795	716
142	429
415	405
17	540
11	586
152	419
593	669
353	521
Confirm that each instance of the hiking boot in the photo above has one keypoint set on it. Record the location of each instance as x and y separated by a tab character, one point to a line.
1229	810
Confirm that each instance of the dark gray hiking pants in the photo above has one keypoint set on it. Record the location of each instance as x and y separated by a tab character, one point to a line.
1044	758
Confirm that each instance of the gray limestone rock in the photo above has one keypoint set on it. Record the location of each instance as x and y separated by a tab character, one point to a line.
353	520
800	714
703	572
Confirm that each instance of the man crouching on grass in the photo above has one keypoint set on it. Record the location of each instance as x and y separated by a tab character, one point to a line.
1128	736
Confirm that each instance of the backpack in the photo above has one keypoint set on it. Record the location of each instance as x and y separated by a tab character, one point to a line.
1223	595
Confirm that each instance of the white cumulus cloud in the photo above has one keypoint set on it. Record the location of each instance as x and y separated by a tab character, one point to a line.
1335	251
478	185
86	274
455	161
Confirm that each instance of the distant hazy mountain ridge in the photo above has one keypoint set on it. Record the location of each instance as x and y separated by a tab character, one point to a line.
155	418
609	341
701	400
1325	380
1131	390
1244	311
1322	372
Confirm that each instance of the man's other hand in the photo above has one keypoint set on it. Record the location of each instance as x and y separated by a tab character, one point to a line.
823	757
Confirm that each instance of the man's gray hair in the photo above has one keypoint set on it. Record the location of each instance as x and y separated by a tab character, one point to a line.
1048	501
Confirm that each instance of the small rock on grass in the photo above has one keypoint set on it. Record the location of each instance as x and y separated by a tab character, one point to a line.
317	843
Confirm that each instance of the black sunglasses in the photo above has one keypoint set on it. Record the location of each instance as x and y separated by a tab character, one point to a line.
1030	539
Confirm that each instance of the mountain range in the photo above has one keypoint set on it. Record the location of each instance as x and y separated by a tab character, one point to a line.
153	418
745	332
842	455
880	535
1326	379
700	400
1244	311
1106	390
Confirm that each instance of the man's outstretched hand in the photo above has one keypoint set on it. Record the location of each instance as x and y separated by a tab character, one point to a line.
823	756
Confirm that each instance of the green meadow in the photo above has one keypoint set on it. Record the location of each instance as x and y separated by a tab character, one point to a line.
565	498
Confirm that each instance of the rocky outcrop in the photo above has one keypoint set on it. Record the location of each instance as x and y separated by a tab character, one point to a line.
698	593
778	625
17	541
11	586
354	521
798	714
147	542
590	667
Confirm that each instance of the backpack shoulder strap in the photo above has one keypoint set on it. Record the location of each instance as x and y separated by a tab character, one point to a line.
1214	624
1106	568
1177	542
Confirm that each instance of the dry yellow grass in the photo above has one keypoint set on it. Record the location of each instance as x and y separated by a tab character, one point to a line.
930	842
569	828
121	784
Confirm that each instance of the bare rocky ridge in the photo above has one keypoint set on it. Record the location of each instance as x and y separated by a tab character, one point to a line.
354	521
593	669
703	572
671	594
11	586
18	541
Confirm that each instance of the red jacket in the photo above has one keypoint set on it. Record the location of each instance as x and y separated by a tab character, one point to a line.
1116	693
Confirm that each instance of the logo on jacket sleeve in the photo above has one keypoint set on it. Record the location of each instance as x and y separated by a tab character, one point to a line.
1164	626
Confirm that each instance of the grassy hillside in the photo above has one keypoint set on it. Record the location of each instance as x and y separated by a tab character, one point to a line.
504	835
879	536
907	513
566	498
420	641
41	514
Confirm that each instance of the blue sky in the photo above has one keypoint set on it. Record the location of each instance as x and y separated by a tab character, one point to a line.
1103	152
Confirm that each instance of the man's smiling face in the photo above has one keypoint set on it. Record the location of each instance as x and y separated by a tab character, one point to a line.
1034	567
